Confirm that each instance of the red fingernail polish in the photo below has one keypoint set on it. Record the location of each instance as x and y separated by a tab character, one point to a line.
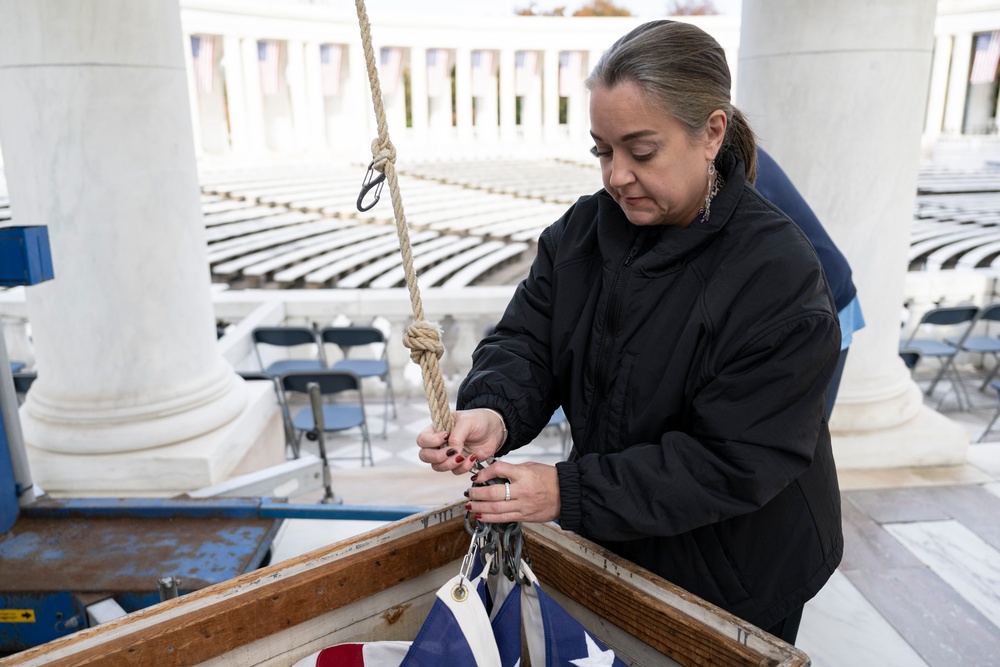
451	452
473	458
465	493
475	477
479	516
459	459
468	507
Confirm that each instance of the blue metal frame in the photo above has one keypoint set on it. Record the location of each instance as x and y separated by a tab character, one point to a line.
228	508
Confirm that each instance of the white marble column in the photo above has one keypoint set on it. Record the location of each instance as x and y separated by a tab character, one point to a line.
508	101
199	143
958	83
97	136
298	96
836	92
418	90
934	118
463	93
236	104
550	94
253	99
315	112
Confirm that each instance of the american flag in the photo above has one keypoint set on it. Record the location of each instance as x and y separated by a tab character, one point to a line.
390	69
438	73
482	73
203	59
329	65
984	62
269	58
570	72
525	64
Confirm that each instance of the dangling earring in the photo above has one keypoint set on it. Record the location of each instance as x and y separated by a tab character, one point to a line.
712	190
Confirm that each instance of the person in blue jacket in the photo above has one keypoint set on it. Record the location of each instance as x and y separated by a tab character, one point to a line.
774	184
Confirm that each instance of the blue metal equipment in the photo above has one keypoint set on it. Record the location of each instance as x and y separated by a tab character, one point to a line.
58	557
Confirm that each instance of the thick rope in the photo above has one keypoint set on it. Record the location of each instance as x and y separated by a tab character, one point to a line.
422	338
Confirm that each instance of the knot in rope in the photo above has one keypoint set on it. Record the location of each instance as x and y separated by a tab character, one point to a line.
382	153
422	337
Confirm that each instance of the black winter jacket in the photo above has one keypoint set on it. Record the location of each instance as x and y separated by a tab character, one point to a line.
692	364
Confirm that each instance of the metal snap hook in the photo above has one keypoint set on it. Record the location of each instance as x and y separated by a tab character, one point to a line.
371	182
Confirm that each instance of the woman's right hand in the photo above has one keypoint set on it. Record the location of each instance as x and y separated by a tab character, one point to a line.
477	434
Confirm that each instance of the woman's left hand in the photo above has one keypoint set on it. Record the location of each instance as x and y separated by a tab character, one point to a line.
534	493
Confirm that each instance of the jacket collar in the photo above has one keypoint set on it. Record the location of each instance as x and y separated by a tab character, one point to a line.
669	246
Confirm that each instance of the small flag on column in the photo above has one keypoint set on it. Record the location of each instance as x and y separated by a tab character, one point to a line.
390	69
525	64
438	72
329	64
482	73
269	59
986	55
203	59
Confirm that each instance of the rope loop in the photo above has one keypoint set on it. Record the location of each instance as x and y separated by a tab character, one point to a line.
383	152
422	337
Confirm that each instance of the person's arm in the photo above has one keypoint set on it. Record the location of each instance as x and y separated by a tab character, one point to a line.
512	367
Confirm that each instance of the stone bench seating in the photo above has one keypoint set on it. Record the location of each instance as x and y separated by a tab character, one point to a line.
934	229
330	273
223	205
293	275
291	254
972	259
237	230
918	251
472	216
486	264
949	255
317	265
365	274
262	191
239	215
233	248
526	228
396	276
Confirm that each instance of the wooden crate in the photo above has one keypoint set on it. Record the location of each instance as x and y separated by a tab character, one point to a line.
380	586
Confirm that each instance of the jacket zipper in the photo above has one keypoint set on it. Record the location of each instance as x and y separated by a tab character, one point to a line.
611	326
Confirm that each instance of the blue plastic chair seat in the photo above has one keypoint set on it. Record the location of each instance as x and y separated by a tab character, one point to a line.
363	367
16	366
980	344
930	348
289	365
335	418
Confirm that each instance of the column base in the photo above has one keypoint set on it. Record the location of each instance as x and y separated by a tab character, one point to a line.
254	439
927	439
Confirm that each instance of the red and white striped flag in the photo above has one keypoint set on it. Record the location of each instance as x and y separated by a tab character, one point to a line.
269	59
203	59
390	69
525	64
438	72
329	65
482	73
987	54
570	72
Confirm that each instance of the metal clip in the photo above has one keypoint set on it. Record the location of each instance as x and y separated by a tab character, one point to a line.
371	182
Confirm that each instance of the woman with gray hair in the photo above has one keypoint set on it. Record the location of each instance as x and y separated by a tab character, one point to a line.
685	326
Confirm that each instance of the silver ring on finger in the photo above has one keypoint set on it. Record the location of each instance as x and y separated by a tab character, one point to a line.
506	487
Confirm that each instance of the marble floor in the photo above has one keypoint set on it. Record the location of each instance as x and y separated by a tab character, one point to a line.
919	584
